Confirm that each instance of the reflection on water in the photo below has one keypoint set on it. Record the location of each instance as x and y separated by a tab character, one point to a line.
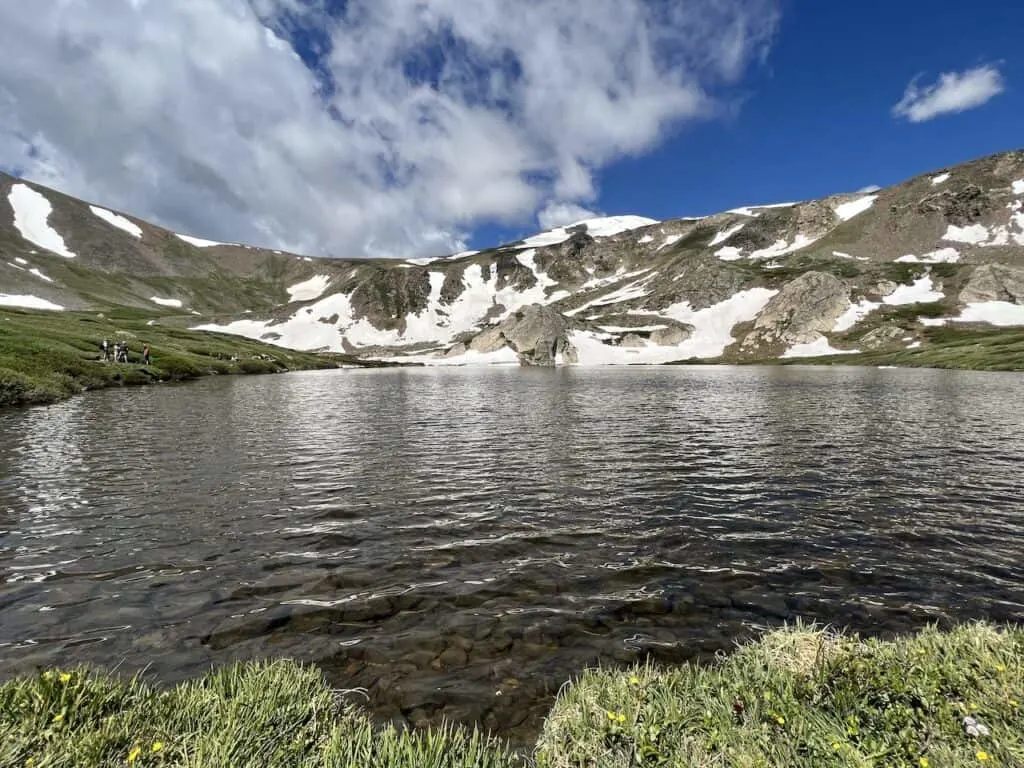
460	542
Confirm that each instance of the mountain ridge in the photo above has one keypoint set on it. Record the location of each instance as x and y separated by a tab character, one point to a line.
848	272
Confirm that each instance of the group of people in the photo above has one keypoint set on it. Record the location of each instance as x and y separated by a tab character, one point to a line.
118	351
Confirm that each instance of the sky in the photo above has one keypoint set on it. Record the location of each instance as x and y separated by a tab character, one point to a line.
401	128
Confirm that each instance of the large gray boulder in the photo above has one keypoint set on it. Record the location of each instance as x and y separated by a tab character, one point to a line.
804	308
994	282
537	334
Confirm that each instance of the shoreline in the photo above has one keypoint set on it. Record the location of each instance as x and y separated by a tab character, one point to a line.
799	695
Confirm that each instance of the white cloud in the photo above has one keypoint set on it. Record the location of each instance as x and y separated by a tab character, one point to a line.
868	189
419	119
558	214
952	92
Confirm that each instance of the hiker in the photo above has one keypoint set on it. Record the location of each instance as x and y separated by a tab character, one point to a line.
105	350
145	355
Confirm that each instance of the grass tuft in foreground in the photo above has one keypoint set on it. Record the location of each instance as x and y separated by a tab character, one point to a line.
805	697
258	714
799	697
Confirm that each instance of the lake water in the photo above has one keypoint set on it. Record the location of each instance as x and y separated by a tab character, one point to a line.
460	542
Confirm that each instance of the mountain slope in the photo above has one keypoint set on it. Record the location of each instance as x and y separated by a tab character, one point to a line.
845	273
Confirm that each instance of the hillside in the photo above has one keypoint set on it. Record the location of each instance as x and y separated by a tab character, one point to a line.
849	273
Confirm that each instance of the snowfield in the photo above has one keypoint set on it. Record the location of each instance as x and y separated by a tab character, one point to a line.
847	211
198	242
27	302
117	221
310	289
176	303
31	218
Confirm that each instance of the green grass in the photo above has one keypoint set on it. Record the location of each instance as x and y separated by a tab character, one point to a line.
804	697
800	697
257	714
977	350
48	356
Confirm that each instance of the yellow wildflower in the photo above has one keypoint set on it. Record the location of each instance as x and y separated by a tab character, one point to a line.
982	755
920	651
1000	667
780	720
611	715
1014	703
836	745
634	680
923	762
48	674
134	755
65	677
157	746
621	718
974	707
58	717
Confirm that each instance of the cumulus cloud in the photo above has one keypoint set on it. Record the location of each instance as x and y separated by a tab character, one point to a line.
558	214
380	127
869	189
952	92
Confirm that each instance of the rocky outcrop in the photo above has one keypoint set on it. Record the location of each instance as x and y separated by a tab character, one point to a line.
803	310
883	337
672	336
960	206
539	335
387	296
994	282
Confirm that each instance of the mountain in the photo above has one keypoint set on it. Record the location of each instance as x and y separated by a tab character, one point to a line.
846	273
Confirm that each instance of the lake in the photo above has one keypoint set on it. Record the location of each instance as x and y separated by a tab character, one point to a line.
459	542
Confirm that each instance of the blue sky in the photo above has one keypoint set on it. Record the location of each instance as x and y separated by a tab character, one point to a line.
817	115
400	128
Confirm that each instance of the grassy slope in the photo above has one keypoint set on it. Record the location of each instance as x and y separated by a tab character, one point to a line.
798	697
47	356
980	350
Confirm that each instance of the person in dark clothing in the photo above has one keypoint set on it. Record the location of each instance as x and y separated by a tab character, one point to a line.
145	355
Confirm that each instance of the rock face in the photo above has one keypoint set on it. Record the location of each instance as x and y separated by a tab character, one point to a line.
538	335
671	337
801	311
995	282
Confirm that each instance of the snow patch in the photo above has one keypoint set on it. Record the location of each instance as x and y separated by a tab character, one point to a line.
646	239
1000	313
27	302
670	240
1018	187
600	227
729	253
40	275
841	255
973	234
847	211
724	235
781	247
21	261
198	242
176	303
31	217
854	314
309	289
942	177
940	256
920	291
116	221
816	348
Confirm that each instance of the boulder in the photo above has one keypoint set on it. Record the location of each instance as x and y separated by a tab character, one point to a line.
632	340
883	337
804	308
994	282
671	337
538	334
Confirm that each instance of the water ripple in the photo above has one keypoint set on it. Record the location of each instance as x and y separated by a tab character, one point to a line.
443	537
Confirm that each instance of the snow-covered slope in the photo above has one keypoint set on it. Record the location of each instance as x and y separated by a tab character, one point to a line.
845	273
